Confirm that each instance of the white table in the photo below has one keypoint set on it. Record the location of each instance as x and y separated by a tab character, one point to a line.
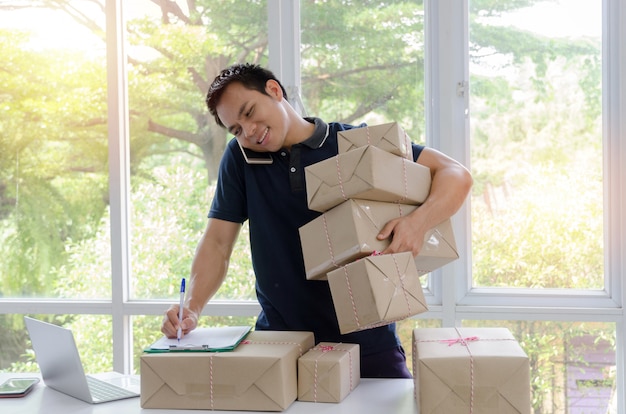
372	396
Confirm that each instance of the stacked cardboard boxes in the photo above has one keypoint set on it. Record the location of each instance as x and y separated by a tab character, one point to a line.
371	181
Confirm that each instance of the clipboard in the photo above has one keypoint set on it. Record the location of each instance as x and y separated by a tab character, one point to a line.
220	339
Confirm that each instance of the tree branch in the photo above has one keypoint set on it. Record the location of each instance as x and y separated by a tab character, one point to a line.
174	133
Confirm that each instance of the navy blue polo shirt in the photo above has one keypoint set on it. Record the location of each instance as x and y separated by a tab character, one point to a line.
272	197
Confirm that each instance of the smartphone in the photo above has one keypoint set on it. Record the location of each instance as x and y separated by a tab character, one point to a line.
253	157
17	387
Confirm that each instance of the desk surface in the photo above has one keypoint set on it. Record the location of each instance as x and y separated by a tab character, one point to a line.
372	396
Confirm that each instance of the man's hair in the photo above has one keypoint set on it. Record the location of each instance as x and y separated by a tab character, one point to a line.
251	76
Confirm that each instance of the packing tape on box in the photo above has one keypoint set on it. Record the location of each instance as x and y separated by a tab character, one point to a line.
329	243
463	342
325	349
407	142
343	193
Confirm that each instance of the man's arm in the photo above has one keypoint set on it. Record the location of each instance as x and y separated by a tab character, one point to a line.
451	183
208	270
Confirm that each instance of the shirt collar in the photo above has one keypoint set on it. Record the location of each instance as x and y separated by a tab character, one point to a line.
317	139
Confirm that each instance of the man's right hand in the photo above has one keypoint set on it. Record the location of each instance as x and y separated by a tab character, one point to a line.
170	322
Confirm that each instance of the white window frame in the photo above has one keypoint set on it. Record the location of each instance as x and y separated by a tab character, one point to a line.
447	74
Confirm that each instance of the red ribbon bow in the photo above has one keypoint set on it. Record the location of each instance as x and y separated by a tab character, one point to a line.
462	341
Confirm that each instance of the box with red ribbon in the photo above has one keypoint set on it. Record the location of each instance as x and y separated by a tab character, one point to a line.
259	375
375	291
470	370
328	372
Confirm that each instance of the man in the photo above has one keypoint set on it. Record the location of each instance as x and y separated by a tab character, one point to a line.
252	105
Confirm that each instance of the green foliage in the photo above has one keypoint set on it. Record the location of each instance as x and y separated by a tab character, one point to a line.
382	73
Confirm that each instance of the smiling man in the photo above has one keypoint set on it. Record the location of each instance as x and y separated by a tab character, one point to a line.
252	105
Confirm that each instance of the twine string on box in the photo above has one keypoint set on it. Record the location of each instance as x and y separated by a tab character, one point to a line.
325	349
406	183
343	193
245	342
356	314
408	146
328	241
463	341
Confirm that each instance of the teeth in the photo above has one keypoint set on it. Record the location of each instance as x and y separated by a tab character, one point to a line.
263	137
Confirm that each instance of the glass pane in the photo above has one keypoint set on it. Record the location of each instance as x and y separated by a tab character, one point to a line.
53	152
572	364
174	54
405	328
536	143
92	333
363	61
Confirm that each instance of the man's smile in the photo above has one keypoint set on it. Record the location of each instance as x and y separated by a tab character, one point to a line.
262	139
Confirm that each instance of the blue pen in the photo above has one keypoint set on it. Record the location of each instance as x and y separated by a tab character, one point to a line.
180	309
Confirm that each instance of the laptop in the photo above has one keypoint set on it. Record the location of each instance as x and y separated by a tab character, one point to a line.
62	369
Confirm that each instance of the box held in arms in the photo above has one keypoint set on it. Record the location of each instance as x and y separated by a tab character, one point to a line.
462	370
329	372
367	173
390	137
259	375
376	291
347	232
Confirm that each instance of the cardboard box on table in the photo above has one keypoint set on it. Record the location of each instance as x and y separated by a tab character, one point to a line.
375	291
259	375
367	173
347	232
329	372
389	137
462	370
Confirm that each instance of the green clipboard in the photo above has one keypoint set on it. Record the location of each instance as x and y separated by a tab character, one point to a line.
220	339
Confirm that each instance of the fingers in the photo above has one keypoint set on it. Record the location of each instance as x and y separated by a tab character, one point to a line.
403	237
169	326
387	230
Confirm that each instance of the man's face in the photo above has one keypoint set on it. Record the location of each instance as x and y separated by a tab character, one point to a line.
258	121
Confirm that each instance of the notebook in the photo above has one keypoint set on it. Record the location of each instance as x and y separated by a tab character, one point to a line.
62	369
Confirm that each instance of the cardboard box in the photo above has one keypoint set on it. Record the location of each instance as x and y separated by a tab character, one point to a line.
367	173
389	137
259	375
347	232
329	372
376	291
462	370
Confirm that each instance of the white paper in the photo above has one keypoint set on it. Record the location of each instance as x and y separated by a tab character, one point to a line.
222	338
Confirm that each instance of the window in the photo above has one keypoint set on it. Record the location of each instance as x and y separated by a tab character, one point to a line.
107	156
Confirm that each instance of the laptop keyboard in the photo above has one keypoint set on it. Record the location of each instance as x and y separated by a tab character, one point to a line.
103	391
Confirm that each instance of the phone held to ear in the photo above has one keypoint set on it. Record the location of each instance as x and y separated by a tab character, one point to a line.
253	157
17	387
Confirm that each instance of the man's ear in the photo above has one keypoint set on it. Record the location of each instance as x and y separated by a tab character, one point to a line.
273	89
